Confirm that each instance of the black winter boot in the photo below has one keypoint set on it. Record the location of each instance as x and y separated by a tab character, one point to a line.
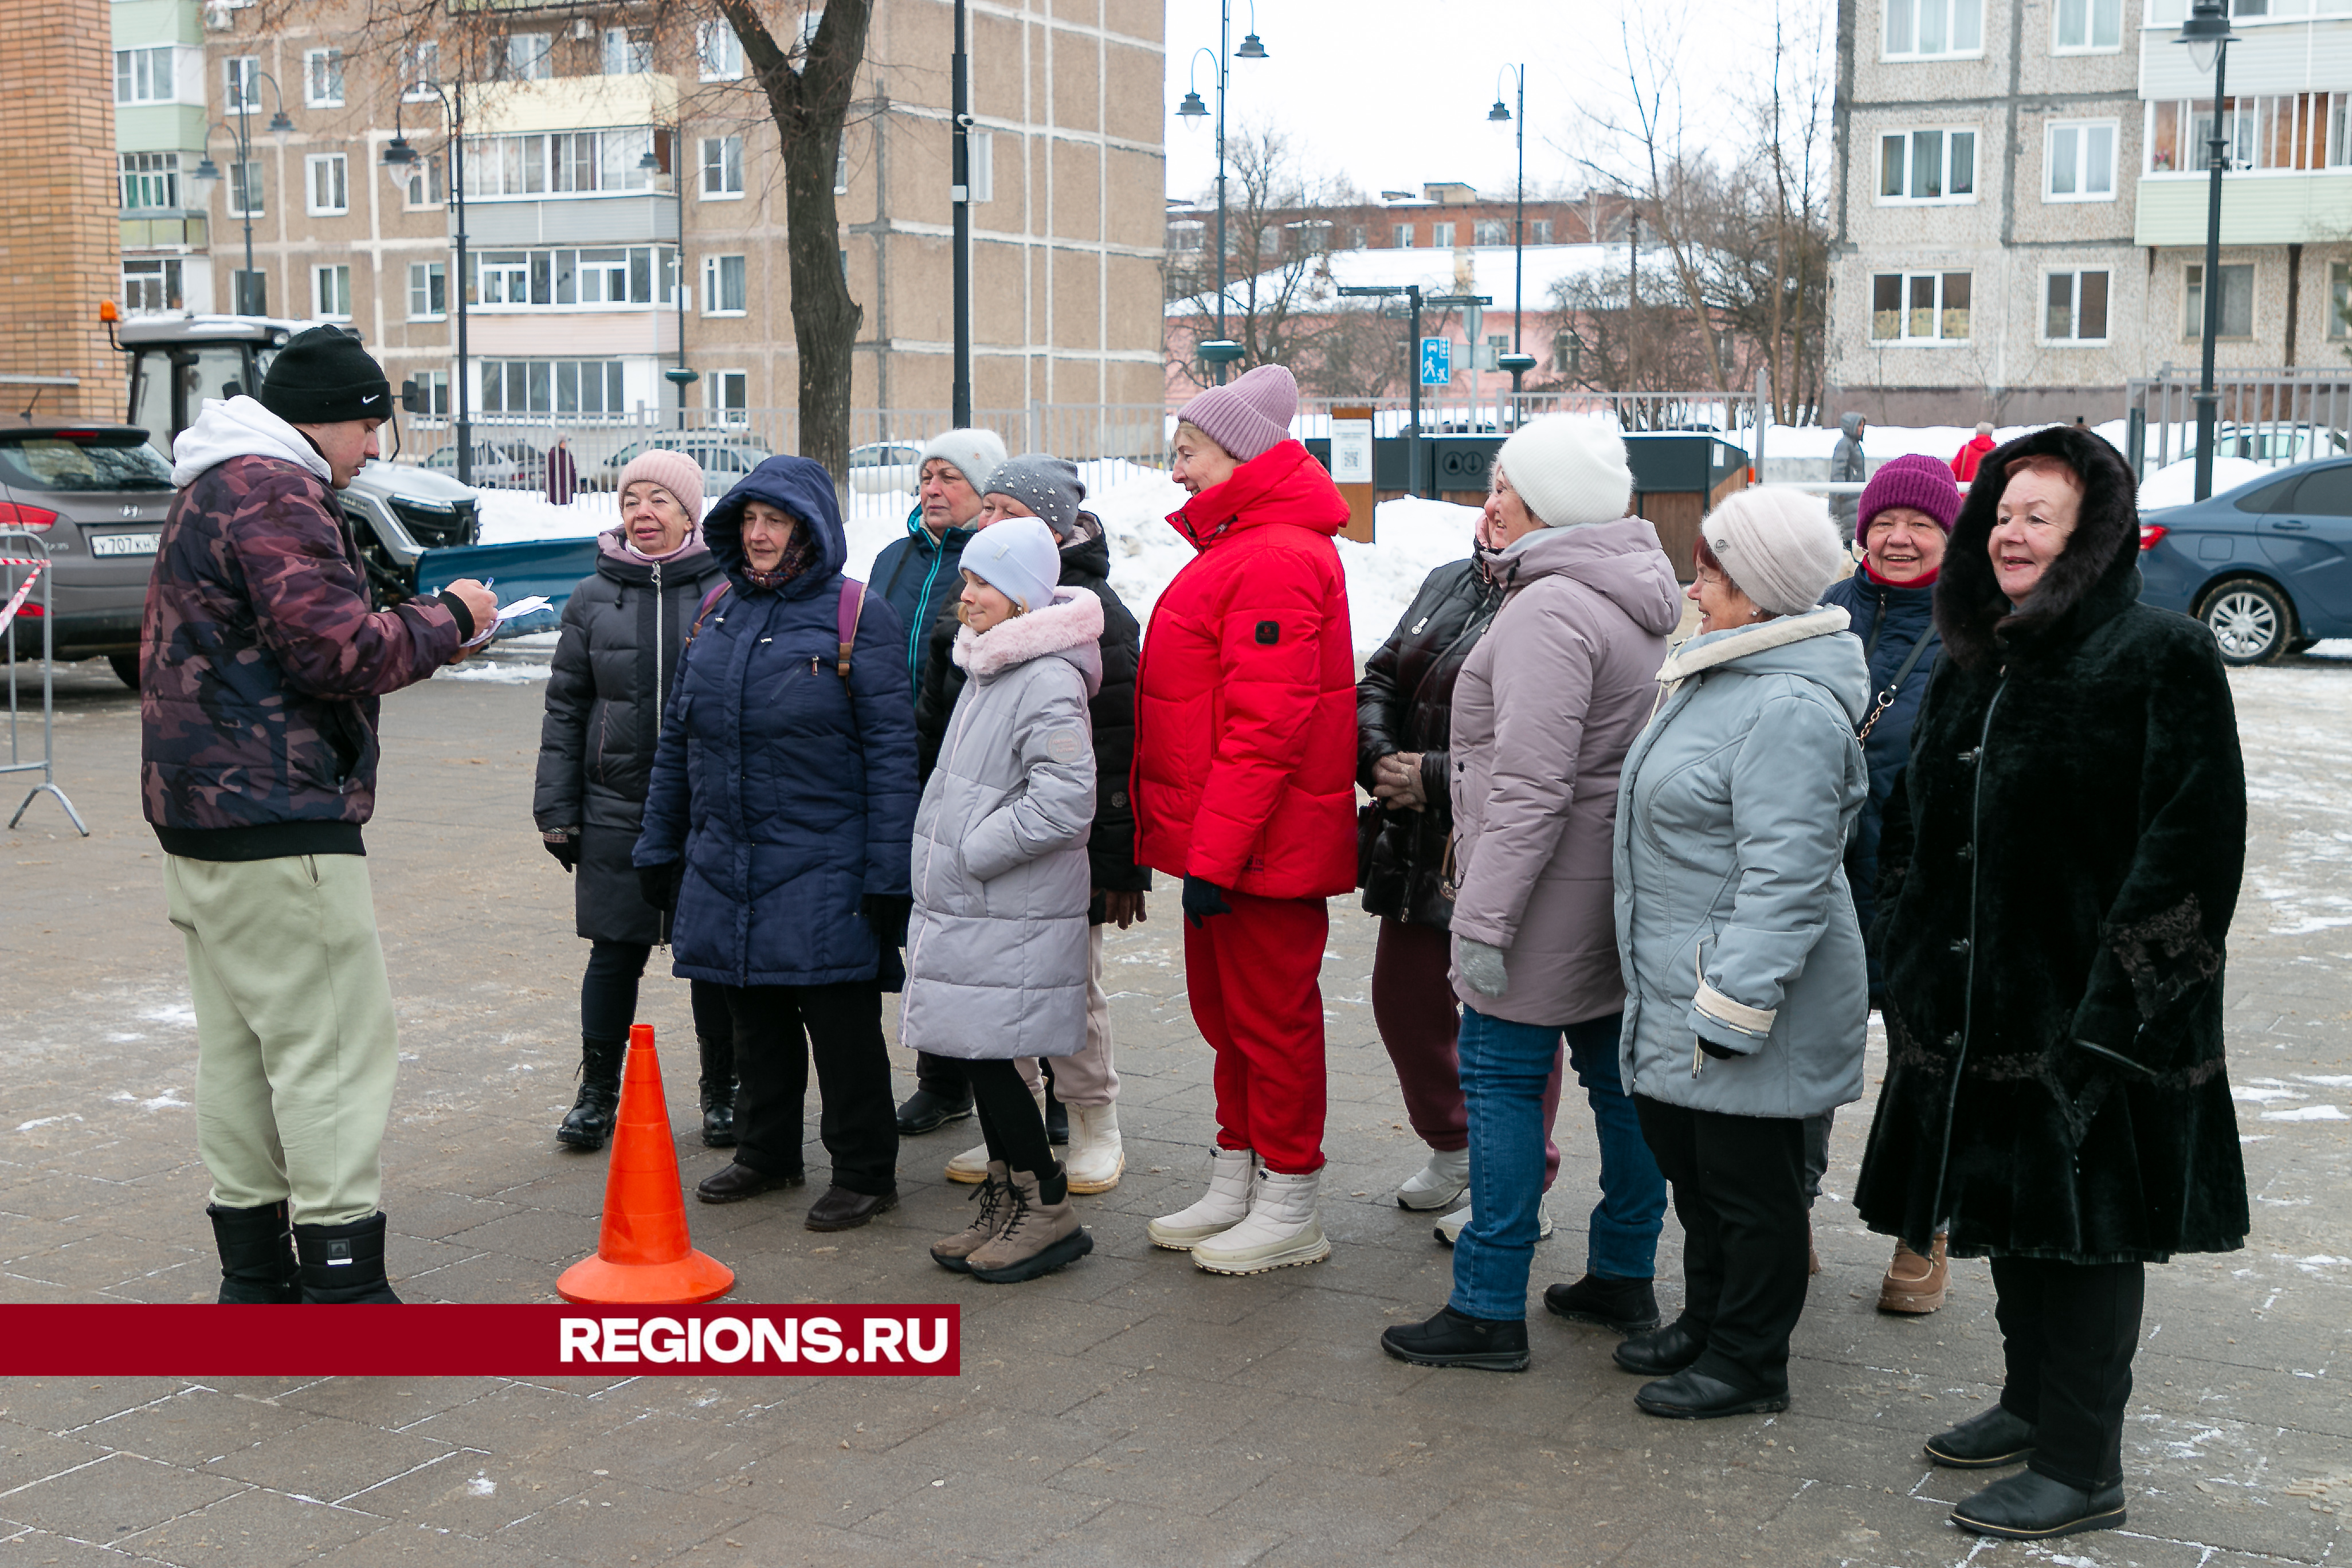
344	1264
257	1257
589	1120
718	1092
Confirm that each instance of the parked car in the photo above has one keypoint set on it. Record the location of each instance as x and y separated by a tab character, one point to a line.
95	495
2276	445
512	467
884	467
2267	565
723	461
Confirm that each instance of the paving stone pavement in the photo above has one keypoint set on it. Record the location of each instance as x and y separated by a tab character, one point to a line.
1130	1410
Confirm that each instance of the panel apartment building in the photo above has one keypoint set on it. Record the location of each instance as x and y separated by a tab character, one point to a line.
579	248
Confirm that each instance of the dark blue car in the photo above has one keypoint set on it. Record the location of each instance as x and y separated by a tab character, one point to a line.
2268	565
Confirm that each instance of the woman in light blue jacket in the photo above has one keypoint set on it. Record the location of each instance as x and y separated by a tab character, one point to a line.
1746	992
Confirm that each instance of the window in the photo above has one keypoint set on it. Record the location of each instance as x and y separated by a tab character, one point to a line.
1540	232
2290	131
2081	166
151	286
1358	237
628	51
1187	235
2237	301
428	290
572	163
1269	241
722	286
332	289
720	51
841	170
503	277
1441	237
328	181
731	396
1919	307
241	82
1493	231
143	76
2339	300
530	57
553	386
151	180
428	182
245	189
1923	29
1928	166
420	68
2089	25
723	166
2075	308
600	276
1403	236
433	392
323	79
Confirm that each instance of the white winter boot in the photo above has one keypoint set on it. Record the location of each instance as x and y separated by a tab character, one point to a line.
1284	1229
1444	1179
1449	1230
1094	1159
971	1167
1226	1207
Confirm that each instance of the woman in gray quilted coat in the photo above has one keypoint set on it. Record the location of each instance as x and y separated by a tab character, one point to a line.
996	950
1746	993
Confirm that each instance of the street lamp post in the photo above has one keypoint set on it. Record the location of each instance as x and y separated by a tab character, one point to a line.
207	174
399	162
959	193
681	375
1519	362
1253	48
2207	34
1411	292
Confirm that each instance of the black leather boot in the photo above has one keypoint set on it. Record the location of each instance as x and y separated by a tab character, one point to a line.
256	1256
344	1264
718	1092
1455	1338
589	1120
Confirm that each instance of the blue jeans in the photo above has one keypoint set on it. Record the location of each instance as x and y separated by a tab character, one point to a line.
1504	1069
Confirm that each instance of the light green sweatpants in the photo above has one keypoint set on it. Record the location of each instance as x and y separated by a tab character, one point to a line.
295	1043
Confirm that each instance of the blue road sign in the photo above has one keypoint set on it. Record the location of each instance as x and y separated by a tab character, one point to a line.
1436	361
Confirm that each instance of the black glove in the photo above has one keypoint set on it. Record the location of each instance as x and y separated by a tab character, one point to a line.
564	846
659	884
1203	900
1720	1053
887	913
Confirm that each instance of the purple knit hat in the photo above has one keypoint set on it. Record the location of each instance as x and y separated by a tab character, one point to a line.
1248	416
1911	480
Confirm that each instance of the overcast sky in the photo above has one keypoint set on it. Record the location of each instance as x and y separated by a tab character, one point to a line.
1395	95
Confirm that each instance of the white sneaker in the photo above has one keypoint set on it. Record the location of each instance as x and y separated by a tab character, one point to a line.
1226	1205
1094	1159
1440	1182
971	1167
1450	1228
1283	1230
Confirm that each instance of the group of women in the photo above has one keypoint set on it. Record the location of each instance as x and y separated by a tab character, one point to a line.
1974	786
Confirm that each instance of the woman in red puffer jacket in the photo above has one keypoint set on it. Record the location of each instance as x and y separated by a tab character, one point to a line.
1245	786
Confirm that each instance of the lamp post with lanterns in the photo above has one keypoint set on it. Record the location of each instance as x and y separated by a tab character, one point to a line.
2207	34
1221	350
1519	362
400	161
252	299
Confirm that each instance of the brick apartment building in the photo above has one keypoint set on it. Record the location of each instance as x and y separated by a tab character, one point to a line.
1443	215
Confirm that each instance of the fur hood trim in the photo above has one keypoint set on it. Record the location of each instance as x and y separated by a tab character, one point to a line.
1704	652
1979	624
1072	623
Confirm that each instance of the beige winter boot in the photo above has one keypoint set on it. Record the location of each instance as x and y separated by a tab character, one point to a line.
1094	1159
1037	1238
971	1167
1225	1206
1284	1229
955	1252
1913	1283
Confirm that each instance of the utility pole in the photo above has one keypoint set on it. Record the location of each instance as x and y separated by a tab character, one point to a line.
959	193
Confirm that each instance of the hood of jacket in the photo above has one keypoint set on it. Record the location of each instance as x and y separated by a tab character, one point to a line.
241	428
2095	577
1071	627
803	490
1281	484
1852	425
1622	561
1806	646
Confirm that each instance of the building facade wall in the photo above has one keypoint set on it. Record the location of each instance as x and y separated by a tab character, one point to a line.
57	236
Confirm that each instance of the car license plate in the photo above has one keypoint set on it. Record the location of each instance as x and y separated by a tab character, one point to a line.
124	544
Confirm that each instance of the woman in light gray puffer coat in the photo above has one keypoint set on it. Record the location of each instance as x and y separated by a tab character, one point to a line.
996	947
1746	989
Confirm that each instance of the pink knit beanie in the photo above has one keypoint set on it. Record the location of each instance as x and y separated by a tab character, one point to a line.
675	472
1249	415
1919	482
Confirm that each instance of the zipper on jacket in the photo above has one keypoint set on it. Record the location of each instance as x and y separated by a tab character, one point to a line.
659	649
1968	997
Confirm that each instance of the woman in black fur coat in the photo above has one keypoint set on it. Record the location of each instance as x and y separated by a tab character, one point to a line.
2056	878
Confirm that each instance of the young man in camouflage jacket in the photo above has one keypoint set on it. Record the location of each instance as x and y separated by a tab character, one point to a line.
261	665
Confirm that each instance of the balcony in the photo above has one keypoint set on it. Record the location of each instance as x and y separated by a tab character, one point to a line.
2258	207
160	229
571	103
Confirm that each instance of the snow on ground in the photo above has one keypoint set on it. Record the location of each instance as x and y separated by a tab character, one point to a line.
2176	483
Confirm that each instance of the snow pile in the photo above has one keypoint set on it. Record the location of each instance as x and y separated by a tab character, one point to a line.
2176	483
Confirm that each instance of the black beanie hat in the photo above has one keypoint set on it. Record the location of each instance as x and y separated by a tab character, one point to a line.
323	377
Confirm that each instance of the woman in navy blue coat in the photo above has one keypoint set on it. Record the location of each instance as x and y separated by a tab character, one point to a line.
778	828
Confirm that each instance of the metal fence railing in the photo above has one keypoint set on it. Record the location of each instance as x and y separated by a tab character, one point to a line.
2274	416
1739	416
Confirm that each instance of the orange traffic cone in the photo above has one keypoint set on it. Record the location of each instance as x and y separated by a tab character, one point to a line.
643	1256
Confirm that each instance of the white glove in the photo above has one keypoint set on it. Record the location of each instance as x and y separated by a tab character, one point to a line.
1482	966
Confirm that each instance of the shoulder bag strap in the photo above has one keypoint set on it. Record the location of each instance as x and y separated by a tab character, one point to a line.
846	611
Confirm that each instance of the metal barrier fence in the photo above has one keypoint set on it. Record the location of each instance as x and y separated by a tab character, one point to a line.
2274	416
1740	417
24	566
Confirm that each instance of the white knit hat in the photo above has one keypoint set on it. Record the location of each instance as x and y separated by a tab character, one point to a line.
1019	558
1777	546
975	453
1570	469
